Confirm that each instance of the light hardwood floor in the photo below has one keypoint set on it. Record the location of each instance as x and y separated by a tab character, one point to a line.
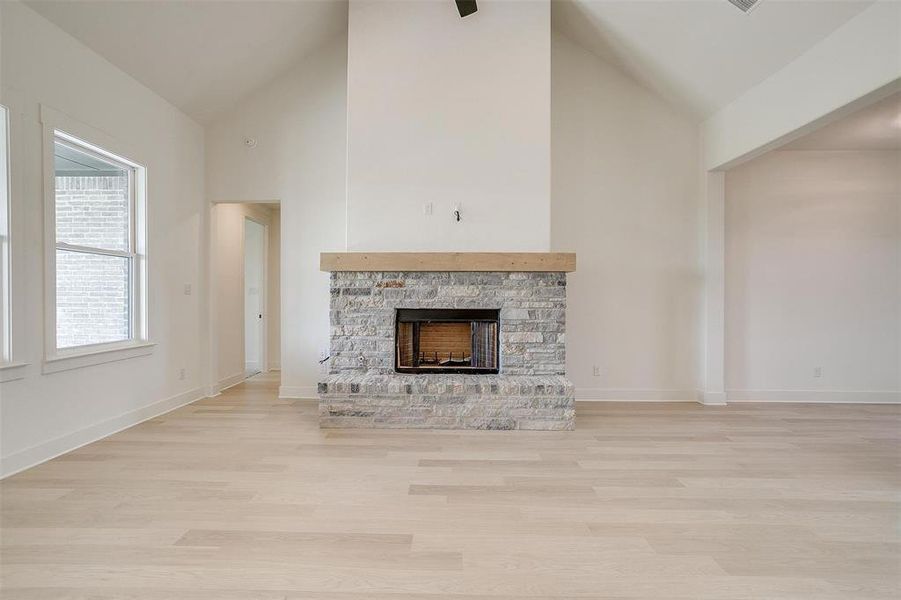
243	497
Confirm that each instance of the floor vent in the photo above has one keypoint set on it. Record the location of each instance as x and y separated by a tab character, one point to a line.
745	6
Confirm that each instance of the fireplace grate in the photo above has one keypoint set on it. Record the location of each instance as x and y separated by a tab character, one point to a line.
447	341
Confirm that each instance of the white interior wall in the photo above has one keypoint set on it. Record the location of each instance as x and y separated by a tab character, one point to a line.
448	111
634	301
299	123
296	115
43	415
813	276
625	199
711	373
858	63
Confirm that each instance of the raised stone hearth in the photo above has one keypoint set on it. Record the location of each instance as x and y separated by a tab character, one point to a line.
530	390
447	401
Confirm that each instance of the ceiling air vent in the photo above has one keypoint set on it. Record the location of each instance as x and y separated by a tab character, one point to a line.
745	6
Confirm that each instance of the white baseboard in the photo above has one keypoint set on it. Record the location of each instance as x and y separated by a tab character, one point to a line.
300	391
40	453
224	384
816	396
730	396
712	398
634	395
275	366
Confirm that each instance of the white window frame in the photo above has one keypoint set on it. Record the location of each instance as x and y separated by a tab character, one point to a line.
12	366
5	247
59	128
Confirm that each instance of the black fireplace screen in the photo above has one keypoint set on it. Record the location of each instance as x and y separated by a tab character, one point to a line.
446	340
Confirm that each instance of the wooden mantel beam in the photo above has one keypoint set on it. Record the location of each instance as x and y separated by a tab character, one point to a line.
448	261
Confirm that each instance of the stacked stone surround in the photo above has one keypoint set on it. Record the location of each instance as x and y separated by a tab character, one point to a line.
530	392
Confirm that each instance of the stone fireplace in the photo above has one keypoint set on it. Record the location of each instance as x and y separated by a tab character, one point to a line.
449	349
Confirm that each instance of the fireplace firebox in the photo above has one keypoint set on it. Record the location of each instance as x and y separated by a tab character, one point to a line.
439	340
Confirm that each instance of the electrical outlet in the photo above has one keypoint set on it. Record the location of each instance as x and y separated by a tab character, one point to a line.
181	374
187	289
596	371
428	209
817	372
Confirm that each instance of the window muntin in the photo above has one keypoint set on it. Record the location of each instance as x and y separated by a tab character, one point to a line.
97	270
5	341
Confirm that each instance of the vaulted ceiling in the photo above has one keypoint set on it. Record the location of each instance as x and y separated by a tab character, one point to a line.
205	56
701	54
202	56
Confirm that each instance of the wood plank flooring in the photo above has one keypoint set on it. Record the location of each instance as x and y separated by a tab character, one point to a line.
243	497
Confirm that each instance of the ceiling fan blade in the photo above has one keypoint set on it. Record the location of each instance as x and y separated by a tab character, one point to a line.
466	7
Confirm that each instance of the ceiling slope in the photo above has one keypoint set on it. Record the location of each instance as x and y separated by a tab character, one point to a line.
202	56
700	54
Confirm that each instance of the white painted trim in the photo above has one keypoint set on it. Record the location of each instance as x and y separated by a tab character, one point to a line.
5	231
713	317
858	57
99	354
274	366
58	125
634	395
224	384
302	391
12	371
17	309
40	453
212	298
709	398
816	396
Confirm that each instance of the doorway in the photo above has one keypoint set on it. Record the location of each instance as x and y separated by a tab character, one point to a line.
245	321
255	261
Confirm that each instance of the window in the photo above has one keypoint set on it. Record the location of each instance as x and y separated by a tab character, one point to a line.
99	266
5	341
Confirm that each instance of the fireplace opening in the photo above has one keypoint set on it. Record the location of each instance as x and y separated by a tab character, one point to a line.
440	340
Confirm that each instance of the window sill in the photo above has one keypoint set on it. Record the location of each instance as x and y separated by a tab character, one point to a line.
85	358
12	371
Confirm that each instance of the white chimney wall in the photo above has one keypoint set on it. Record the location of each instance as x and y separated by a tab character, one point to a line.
444	113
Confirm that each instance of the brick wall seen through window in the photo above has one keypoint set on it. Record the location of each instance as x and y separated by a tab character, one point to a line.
92	304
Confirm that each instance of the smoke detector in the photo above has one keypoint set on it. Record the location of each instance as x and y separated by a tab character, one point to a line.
745	6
